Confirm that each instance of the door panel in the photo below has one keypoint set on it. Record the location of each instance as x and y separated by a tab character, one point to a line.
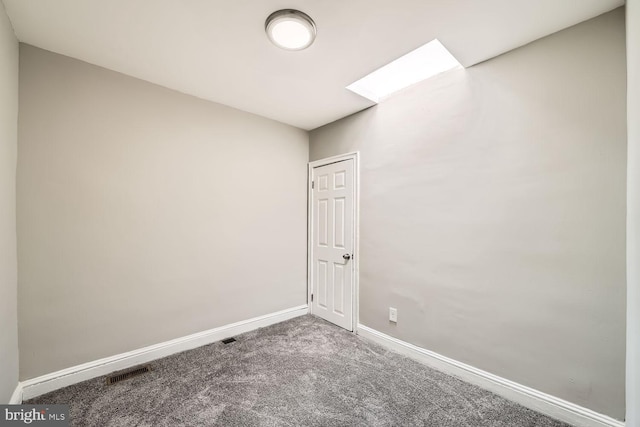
333	242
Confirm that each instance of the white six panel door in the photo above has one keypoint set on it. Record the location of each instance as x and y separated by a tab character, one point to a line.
333	243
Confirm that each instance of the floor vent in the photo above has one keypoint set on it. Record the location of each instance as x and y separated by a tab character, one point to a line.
114	378
228	340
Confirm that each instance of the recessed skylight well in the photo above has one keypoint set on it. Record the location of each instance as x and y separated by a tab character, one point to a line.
420	64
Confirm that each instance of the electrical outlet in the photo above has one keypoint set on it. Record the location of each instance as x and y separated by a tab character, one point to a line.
393	315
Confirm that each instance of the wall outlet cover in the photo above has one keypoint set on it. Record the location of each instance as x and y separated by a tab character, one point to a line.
393	315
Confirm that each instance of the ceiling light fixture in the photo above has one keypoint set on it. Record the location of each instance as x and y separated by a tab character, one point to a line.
290	29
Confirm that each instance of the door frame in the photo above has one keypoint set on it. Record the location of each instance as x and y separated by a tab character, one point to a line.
355	264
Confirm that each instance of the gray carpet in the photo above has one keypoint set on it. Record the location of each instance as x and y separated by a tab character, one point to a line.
303	372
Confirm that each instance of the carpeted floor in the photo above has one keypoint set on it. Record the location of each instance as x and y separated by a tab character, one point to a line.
303	372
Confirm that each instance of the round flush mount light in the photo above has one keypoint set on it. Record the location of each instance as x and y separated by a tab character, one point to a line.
290	29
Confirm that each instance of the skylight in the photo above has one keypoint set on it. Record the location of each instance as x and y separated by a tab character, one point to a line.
420	64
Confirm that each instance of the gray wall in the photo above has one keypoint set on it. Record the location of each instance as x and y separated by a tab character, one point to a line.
145	214
493	213
633	213
8	262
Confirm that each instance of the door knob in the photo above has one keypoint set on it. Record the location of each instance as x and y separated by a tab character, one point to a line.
346	256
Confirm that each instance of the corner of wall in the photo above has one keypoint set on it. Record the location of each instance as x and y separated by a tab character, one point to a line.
8	248
633	214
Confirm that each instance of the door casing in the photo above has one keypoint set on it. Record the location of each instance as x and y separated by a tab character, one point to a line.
355	261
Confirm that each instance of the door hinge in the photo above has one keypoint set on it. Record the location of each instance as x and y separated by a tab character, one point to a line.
311	297
313	185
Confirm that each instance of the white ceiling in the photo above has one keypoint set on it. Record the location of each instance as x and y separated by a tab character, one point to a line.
217	49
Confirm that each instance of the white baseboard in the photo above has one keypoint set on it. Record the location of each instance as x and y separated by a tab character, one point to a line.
533	399
65	377
16	397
